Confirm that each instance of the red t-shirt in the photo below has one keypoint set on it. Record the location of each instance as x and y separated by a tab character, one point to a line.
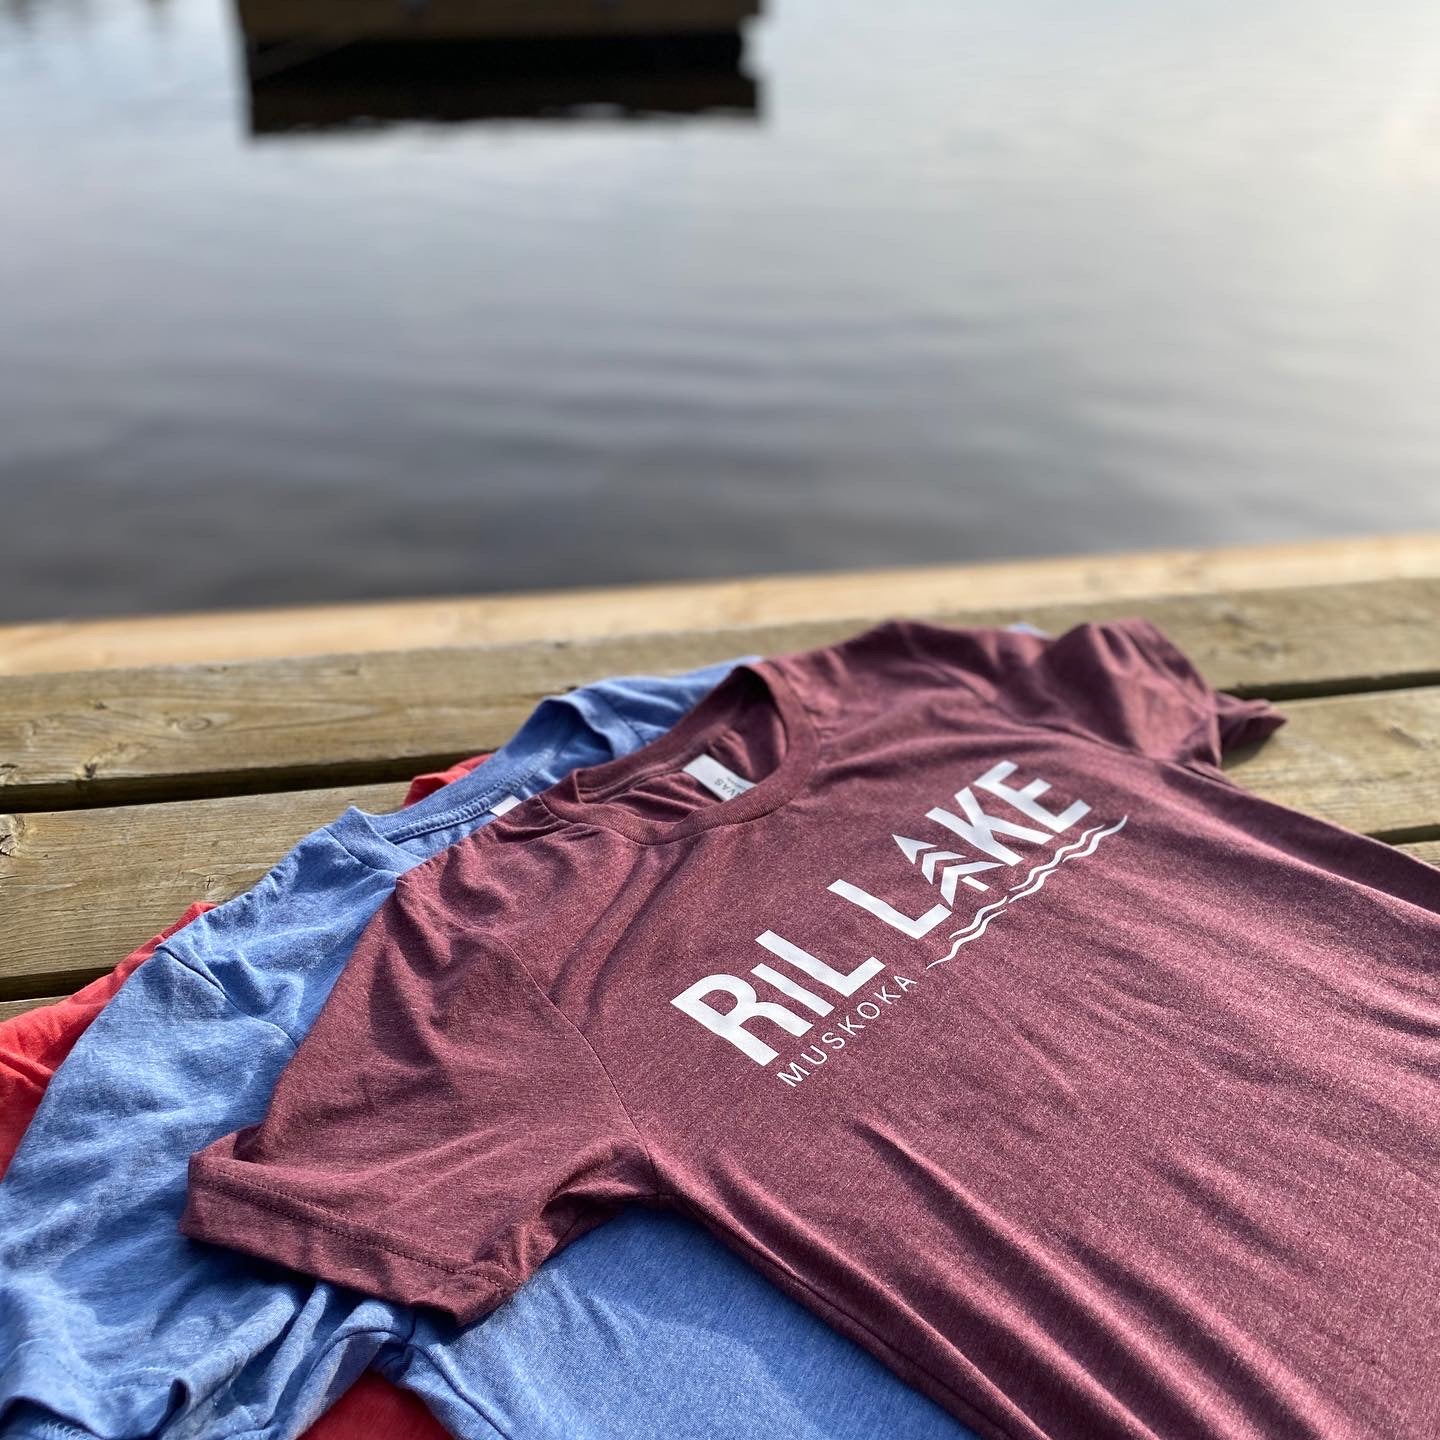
432	780
1094	1094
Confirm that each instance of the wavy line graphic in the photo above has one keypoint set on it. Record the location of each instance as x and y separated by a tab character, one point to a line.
1022	886
1087	844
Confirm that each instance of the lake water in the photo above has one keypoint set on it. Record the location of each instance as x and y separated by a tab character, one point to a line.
912	281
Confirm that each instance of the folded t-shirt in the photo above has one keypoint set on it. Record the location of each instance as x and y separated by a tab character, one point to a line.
113	1325
32	1047
949	979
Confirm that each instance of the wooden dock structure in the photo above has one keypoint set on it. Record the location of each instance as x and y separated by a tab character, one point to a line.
380	82
264	21
147	764
319	65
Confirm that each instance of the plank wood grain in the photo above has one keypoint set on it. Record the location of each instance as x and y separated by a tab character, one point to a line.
79	889
105	737
1367	762
9	1009
284	632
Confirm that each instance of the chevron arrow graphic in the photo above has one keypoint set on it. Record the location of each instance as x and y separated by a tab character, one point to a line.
930	859
952	873
928	864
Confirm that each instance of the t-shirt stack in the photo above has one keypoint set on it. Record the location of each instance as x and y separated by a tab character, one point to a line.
916	1037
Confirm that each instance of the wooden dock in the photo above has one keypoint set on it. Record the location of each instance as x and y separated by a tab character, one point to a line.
318	87
266	21
148	764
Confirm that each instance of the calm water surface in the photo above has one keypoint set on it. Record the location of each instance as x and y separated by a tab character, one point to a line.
913	281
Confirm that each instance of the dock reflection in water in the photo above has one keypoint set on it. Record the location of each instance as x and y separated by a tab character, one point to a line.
325	64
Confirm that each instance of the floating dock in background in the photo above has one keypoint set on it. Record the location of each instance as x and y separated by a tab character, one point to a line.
375	82
269	21
315	65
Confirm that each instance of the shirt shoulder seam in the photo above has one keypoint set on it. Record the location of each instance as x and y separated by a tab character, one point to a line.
595	1055
165	950
1201	769
594	697
1143	632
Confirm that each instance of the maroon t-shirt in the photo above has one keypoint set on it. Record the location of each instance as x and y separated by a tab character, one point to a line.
986	1016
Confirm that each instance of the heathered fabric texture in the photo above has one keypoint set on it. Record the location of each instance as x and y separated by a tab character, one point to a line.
592	1348
110	1321
1137	1139
32	1047
107	1315
33	1044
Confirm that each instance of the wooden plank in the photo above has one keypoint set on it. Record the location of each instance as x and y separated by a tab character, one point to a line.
111	736
82	888
1427	850
587	614
9	1009
1368	762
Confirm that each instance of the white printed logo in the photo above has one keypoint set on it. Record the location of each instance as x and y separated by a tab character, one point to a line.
985	835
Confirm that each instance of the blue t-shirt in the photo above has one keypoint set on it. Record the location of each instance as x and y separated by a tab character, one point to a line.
112	1324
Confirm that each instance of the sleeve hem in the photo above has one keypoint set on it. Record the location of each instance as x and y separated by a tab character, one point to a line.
225	1208
1245	722
1237	722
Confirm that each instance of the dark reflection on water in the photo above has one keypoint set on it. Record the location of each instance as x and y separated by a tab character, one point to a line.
327	314
307	85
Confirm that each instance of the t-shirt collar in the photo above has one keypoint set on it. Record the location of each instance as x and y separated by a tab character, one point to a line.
589	796
387	841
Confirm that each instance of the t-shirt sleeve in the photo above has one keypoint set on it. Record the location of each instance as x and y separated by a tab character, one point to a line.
1123	682
441	1131
1126	683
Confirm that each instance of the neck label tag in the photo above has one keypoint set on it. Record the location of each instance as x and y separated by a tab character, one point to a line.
509	802
723	784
